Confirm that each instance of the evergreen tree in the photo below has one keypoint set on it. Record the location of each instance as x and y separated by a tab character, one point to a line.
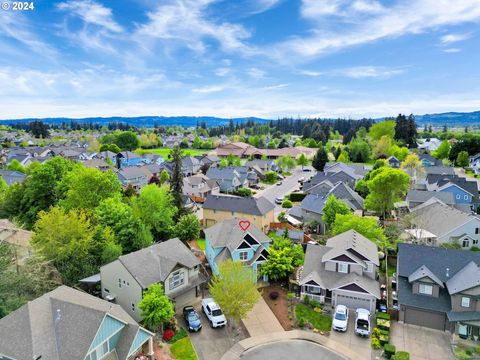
176	180
320	159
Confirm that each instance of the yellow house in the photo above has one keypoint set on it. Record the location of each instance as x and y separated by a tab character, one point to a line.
258	211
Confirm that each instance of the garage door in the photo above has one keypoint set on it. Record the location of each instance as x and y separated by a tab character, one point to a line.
429	319
355	302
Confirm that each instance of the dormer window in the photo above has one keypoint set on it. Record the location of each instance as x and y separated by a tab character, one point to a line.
425	289
243	255
369	267
343	268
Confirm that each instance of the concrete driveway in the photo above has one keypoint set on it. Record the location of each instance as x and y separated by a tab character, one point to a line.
422	343
261	320
209	343
361	345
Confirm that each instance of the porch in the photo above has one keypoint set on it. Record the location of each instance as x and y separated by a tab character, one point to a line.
323	296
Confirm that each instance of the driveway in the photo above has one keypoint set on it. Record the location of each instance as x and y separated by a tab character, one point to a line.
209	343
289	184
422	343
261	320
352	340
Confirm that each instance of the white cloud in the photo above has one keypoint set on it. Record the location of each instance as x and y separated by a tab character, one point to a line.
208	89
275	87
256	73
223	71
400	19
361	72
264	5
91	13
452	50
184	23
311	73
452	38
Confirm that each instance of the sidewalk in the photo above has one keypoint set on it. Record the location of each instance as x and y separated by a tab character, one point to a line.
261	320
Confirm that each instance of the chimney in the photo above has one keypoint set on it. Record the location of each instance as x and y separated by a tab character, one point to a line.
448	272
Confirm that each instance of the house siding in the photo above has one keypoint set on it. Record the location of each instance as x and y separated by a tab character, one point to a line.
108	327
459	195
468	228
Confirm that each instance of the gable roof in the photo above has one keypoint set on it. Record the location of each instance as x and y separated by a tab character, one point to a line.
422	196
466	278
228	234
161	259
313	203
244	205
11	176
423	272
61	325
355	244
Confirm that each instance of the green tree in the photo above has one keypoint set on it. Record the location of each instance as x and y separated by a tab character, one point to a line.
87	187
367	226
359	151
381	148
164	177
129	230
399	152
188	227
233	160
443	150
156	308
234	289
127	140
320	159
343	157
286	163
462	159
362	188
176	181
15	165
282	217
196	143
156	208
386	186
284	256
302	160
412	165
270	177
385	128
332	207
287	204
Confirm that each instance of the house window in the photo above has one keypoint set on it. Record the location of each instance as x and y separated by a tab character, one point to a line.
119	283
477	230
133	307
343	268
465	302
458	196
106	290
177	279
425	289
465	197
475	242
369	267
243	255
465	243
312	289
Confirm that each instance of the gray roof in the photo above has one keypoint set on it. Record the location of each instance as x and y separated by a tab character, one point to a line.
463	315
351	242
61	325
227	233
292	234
419	196
313	203
465	279
245	205
161	259
131	172
445	170
345	193
12	177
407	297
423	272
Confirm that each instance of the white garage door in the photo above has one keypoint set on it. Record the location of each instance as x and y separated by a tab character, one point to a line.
355	302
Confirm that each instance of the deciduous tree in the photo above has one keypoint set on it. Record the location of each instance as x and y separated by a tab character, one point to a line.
156	308
188	227
332	207
367	226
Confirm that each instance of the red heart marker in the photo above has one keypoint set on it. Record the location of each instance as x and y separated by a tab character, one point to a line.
244	224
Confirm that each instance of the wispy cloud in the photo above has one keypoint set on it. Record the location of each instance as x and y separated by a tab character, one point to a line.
362	72
261	6
452	38
208	89
256	73
275	87
452	50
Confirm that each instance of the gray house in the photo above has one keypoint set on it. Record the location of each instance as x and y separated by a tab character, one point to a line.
199	186
132	175
190	165
228	178
393	162
342	273
169	263
12	177
439	288
69	324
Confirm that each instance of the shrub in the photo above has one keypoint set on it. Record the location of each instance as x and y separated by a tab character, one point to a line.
401	355
375	343
287	204
168	335
274	295
301	323
383	324
290	295
306	300
314	304
381	315
475	248
245	192
389	350
477	350
469	352
376	332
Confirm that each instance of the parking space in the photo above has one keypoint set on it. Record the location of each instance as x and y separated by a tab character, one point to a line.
349	339
209	343
422	343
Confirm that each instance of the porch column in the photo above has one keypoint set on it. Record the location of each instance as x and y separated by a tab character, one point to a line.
150	349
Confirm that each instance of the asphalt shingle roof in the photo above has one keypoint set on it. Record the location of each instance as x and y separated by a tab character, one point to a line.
245	205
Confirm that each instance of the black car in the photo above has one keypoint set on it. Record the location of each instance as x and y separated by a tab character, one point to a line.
192	319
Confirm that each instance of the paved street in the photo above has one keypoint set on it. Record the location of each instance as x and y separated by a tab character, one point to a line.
289	184
291	349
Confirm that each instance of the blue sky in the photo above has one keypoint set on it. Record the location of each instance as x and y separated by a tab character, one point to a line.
231	58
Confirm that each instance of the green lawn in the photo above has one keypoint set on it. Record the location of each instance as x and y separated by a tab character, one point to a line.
201	244
165	151
183	350
318	320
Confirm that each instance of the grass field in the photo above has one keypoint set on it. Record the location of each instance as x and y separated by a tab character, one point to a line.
318	320
165	151
183	350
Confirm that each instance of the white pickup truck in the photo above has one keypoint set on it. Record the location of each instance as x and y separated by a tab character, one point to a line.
362	322
213	313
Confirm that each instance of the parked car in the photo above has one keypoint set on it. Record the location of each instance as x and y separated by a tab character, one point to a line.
279	183
307	169
192	319
362	322
255	186
340	318
279	200
301	180
213	313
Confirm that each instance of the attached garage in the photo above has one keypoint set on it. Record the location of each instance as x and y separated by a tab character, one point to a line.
355	301
430	319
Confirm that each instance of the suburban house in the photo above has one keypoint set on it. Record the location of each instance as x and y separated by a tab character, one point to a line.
393	162
12	177
199	187
69	324
190	165
127	158
209	160
464	191
429	145
132	175
238	240
169	263
428	160
343	272
440	170
228	178
99	164
258	211
418	197
474	163
435	223
335	172
263	165
241	149
439	288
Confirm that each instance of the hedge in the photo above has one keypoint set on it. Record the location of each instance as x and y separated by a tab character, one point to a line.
401	355
381	315
383	324
389	350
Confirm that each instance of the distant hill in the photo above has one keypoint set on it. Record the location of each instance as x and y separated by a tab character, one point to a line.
141	121
450	119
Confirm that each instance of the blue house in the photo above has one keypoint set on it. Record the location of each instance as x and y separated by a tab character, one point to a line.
464	192
238	240
69	324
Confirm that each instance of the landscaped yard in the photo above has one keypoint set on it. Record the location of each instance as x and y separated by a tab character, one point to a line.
279	306
183	350
165	151
201	244
318	320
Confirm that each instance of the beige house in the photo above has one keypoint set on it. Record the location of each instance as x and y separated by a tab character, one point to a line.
169	263
258	211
